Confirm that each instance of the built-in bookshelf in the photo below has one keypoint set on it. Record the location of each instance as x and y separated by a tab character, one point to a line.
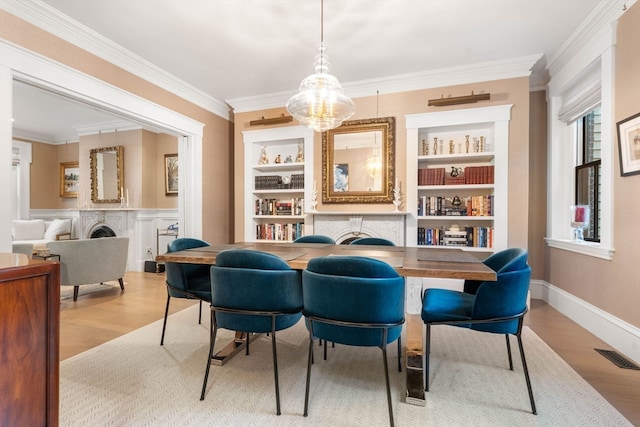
278	170
457	178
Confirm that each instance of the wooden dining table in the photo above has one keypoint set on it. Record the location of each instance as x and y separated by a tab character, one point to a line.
445	263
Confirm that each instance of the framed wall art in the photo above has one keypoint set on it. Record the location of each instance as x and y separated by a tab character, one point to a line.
69	179
629	145
171	174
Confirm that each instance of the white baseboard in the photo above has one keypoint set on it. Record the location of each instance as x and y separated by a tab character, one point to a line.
620	335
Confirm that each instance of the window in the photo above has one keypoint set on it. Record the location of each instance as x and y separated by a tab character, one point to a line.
588	172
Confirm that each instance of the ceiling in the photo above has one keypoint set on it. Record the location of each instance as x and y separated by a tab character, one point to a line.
230	49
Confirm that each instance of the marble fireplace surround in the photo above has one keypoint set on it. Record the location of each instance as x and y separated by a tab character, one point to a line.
344	225
140	225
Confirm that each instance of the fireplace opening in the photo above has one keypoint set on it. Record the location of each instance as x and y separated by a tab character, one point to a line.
102	231
348	240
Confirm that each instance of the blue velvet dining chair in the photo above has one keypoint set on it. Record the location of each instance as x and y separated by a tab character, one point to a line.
253	292
354	301
497	307
190	281
372	241
505	260
315	238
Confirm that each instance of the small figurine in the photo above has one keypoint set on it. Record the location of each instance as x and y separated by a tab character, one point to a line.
278	159
455	171
300	155
263	157
451	146
288	159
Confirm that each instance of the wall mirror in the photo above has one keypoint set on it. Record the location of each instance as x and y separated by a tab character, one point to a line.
358	162
107	174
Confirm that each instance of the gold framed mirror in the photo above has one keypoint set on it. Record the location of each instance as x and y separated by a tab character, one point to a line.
358	162
107	174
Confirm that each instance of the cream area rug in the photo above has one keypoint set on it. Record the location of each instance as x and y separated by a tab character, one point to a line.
133	381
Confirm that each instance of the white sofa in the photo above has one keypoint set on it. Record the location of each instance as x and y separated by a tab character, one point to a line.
39	232
88	261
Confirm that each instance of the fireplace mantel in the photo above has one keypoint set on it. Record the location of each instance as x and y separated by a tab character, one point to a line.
344	225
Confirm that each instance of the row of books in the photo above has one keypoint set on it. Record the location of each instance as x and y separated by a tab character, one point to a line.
276	182
293	206
476	237
442	206
431	176
280	232
470	175
479	174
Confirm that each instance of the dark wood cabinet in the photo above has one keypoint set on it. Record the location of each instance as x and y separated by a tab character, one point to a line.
29	341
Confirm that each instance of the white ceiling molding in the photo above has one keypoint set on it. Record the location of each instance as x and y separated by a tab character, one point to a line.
487	71
109	127
605	13
51	20
44	138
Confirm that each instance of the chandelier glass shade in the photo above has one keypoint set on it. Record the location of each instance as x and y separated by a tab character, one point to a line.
320	102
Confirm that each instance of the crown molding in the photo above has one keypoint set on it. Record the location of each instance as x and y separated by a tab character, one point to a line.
34	136
51	20
486	71
112	126
605	13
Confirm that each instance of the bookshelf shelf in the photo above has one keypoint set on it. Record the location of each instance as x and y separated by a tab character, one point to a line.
465	187
279	185
455	218
476	180
280	191
283	217
443	159
279	167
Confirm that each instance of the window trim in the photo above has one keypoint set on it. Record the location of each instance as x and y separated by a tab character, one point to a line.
562	151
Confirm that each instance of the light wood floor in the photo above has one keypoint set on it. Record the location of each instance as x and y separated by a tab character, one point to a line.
104	315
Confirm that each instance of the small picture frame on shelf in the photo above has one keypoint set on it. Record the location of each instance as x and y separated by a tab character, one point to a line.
629	145
171	174
69	179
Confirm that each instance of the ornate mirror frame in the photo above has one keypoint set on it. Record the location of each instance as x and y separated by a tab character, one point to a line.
118	174
386	127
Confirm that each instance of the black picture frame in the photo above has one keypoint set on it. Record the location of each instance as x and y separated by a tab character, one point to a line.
629	145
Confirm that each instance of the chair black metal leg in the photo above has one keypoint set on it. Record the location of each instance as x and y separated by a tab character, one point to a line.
213	330
427	353
200	314
325	349
246	346
526	374
121	283
309	362
275	362
509	352
166	314
386	375
399	354
75	292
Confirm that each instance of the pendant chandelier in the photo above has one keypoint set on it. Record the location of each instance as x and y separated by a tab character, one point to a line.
320	102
